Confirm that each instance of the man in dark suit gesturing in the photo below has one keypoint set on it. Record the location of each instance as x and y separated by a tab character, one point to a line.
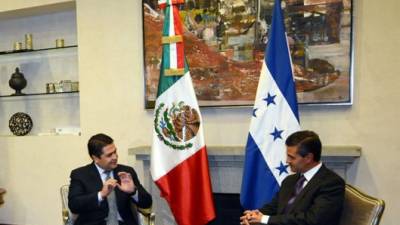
312	196
103	192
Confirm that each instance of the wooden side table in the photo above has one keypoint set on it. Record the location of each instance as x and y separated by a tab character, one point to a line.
2	191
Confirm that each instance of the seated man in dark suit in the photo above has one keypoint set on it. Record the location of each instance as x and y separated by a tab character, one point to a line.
103	192
314	195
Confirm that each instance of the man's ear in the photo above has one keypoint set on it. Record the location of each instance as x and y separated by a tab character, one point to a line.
310	157
95	158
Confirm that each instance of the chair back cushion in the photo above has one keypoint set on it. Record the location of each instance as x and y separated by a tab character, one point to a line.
361	209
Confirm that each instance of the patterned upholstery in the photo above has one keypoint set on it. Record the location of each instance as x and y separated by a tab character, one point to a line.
361	209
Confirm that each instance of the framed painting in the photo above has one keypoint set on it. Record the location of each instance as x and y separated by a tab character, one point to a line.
225	42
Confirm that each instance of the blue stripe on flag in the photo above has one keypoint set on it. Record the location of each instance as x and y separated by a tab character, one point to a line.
278	61
260	184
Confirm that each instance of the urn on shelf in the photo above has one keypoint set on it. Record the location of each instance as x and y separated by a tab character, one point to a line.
17	82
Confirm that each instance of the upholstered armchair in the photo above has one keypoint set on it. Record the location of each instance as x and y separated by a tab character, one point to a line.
67	216
146	216
361	209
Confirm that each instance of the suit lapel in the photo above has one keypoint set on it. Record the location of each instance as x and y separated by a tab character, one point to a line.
98	182
115	174
310	185
117	191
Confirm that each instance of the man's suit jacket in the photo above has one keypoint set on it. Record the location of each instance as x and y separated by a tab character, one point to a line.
83	198
319	203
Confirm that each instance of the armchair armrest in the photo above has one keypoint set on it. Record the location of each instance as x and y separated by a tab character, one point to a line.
145	215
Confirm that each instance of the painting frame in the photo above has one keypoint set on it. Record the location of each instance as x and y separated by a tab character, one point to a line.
322	52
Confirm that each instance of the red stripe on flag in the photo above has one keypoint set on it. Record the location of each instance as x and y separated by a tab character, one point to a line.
173	2
177	21
187	189
178	31
180	59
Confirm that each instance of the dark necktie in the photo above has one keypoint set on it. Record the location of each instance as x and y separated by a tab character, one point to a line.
112	218
297	189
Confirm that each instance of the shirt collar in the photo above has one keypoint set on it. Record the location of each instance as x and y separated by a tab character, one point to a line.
311	172
101	170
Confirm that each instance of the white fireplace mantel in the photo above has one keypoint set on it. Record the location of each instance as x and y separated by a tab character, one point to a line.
330	154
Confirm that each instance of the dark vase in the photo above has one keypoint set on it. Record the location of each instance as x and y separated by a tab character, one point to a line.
17	82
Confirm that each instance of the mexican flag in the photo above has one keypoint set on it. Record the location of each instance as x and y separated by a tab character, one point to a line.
179	164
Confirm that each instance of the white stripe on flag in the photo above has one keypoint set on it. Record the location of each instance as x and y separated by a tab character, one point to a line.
173	58
166	157
273	152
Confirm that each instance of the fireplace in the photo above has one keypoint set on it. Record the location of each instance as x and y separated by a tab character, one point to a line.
226	168
228	209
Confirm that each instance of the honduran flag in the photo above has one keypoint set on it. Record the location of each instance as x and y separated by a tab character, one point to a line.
275	117
179	164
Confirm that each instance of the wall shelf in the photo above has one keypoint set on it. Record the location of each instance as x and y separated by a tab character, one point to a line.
44	64
39	94
35	50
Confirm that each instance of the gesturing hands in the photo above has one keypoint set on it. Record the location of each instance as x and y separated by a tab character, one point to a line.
108	186
126	185
251	217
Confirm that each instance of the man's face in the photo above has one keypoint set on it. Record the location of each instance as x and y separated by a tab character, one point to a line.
108	159
296	162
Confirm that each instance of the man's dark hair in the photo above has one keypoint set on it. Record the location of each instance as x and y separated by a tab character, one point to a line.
307	142
96	144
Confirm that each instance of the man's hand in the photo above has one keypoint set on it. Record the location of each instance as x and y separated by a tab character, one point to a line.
127	184
255	216
108	186
244	220
251	217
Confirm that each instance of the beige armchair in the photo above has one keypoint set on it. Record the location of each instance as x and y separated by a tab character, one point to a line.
361	209
67	216
146	216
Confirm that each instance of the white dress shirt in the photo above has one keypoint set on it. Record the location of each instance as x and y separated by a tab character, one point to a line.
103	176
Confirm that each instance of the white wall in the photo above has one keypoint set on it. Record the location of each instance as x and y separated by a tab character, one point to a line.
111	84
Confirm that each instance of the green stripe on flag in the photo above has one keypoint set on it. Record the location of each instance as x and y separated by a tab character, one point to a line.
167	81
167	18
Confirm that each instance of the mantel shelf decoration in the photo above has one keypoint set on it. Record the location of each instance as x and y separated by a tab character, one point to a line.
225	42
